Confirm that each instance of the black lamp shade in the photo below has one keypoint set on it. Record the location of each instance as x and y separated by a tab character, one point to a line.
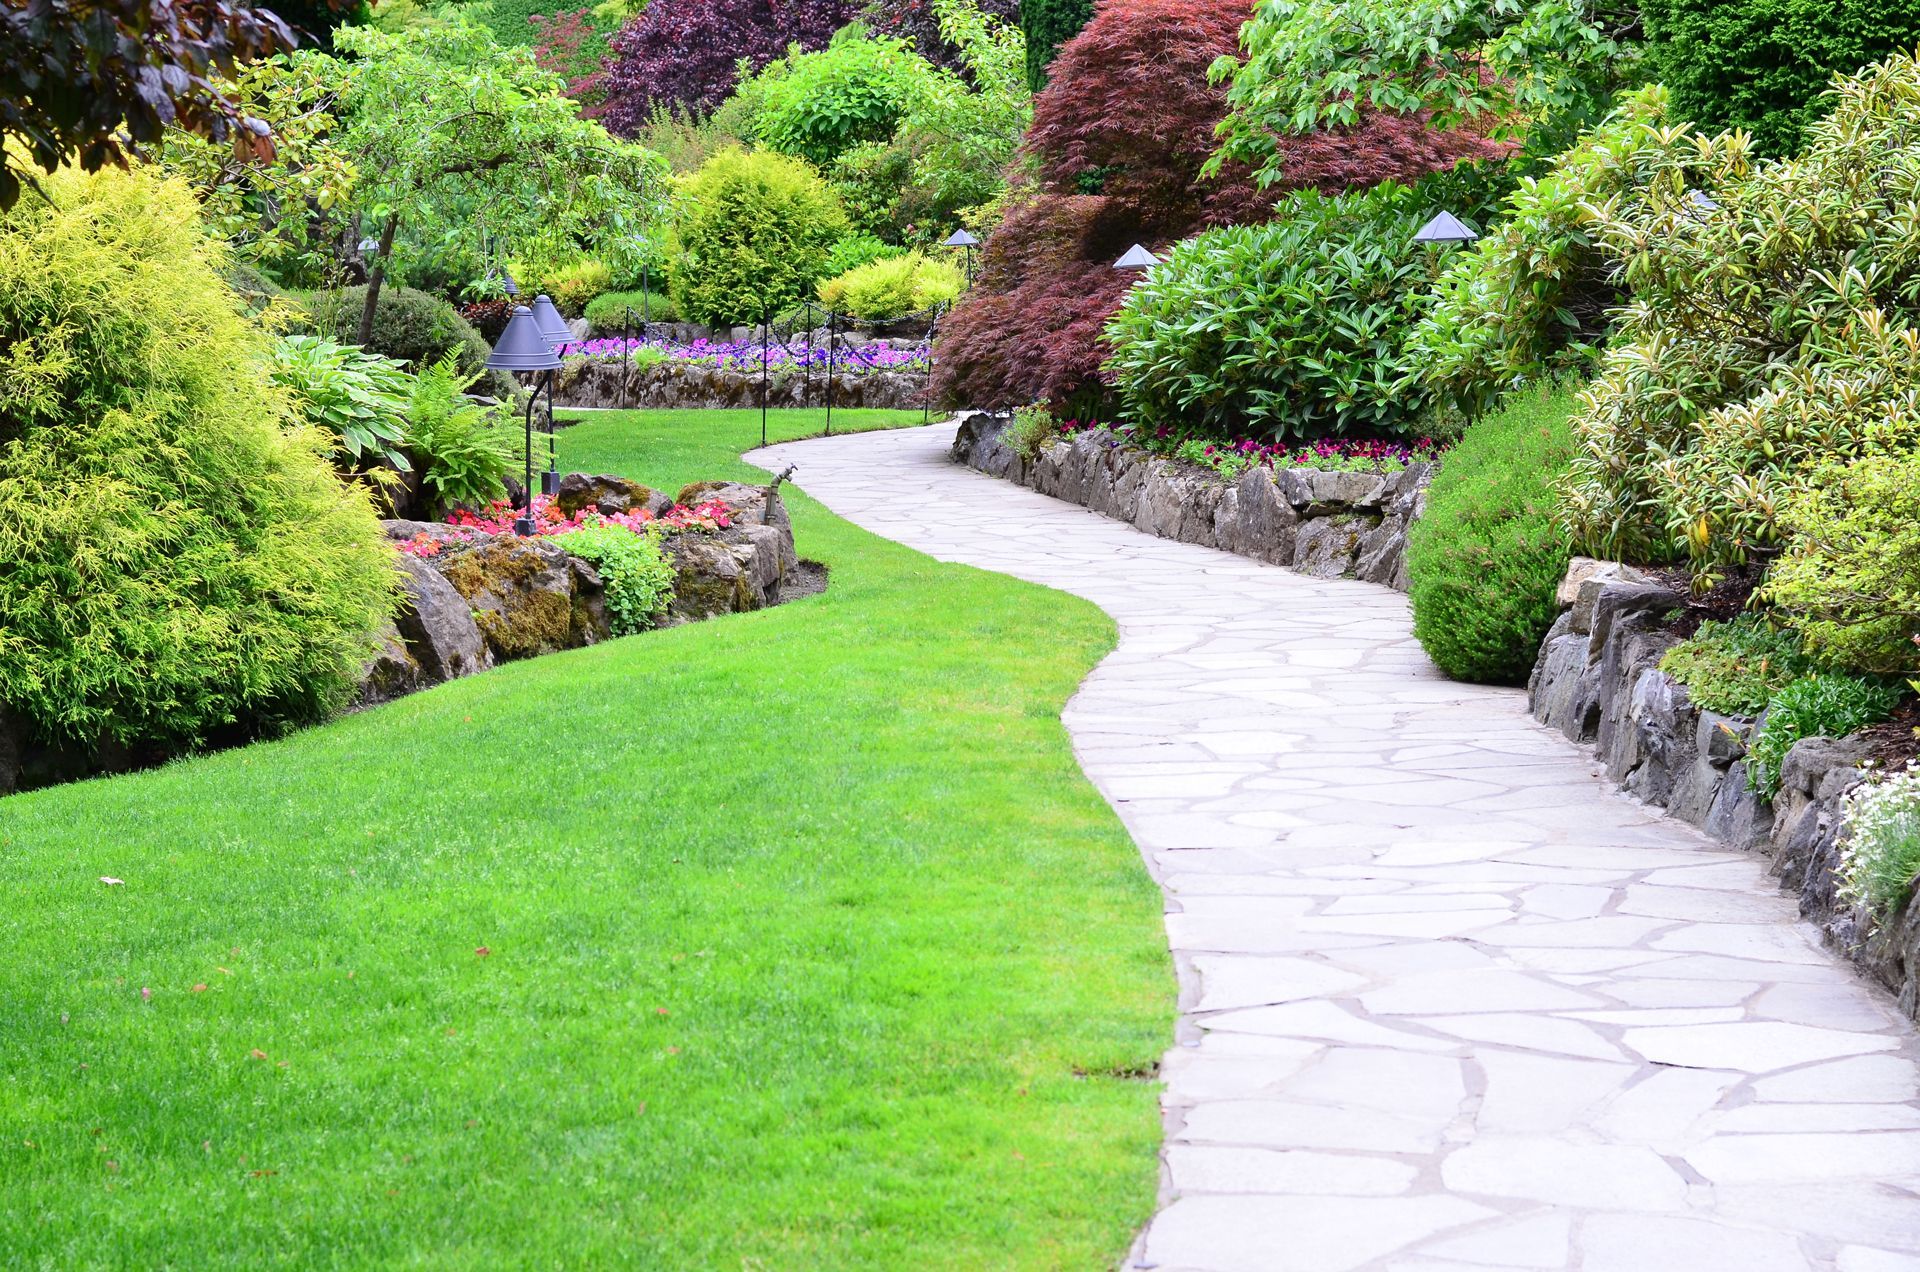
1137	257
507	284
522	347
960	238
551	324
1445	228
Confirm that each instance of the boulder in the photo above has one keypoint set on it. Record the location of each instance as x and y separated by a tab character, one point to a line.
1268	522
1338	492
392	672
1581	570
436	624
1326	546
521	593
609	494
709	579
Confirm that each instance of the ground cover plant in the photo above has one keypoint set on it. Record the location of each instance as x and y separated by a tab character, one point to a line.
1880	855
726	945
1487	555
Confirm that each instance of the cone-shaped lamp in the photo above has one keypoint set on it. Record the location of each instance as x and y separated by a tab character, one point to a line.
1137	257
551	324
522	346
960	238
1445	228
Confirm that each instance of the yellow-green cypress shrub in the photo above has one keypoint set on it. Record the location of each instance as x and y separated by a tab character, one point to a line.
180	563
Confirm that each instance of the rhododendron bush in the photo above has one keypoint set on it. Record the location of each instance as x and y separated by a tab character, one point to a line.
1119	139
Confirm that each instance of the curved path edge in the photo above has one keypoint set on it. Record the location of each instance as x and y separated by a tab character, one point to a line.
1449	1000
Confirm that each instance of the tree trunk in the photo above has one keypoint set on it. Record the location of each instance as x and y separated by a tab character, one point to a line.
376	276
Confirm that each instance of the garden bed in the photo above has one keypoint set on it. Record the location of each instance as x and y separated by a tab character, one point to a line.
1324	522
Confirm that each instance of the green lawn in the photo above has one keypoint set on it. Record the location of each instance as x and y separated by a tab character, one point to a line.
790	940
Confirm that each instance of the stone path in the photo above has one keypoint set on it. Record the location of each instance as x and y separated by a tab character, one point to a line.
1449	1002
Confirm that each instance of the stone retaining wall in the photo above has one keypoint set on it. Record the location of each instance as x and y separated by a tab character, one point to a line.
1327	524
595	382
1598	681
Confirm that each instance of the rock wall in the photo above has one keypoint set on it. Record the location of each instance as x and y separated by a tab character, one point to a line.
486	599
595	382
1598	681
1327	524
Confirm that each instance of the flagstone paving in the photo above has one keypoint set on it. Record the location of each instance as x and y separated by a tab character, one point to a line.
1449	1001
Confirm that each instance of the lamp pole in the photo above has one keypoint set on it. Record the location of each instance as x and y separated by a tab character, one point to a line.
523	347
966	242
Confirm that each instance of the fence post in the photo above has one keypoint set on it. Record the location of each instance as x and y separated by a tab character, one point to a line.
833	354
765	320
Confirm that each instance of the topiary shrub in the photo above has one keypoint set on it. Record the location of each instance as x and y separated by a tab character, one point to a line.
182	566
608	312
752	233
893	286
819	105
1048	24
1286	330
409	326
1486	556
1762	65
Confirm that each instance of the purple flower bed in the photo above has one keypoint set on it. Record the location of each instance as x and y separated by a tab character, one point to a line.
744	355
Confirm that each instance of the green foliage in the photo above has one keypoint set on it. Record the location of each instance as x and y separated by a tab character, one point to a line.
181	562
855	250
1851	573
1047	24
358	398
459	448
1821	705
857	89
409	326
893	286
1545	68
1736	667
1762	65
1031	429
462	142
1287	329
1486	557
576	284
685	139
638	576
751	236
1529	301
1764	337
608	312
1880	855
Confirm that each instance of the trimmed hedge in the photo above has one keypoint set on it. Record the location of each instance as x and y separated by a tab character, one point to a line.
1486	557
1048	24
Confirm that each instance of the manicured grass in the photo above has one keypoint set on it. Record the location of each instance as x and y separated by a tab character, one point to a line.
790	940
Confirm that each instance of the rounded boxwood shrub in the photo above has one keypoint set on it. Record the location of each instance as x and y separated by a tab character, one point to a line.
1486	556
1287	329
753	233
182	565
410	326
608	312
893	286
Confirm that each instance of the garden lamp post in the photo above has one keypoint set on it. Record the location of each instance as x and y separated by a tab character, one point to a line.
965	241
559	335
1137	257
1700	204
522	347
1445	230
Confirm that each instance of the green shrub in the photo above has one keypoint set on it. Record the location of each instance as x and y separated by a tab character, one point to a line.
1031	429
1851	572
893	286
855	250
358	398
638	577
409	326
1530	300
1736	667
1765	337
1880	856
182	564
608	312
460	449
1762	65
576	284
1047	25
1822	705
753	231
1286	329
1486	557
819	105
